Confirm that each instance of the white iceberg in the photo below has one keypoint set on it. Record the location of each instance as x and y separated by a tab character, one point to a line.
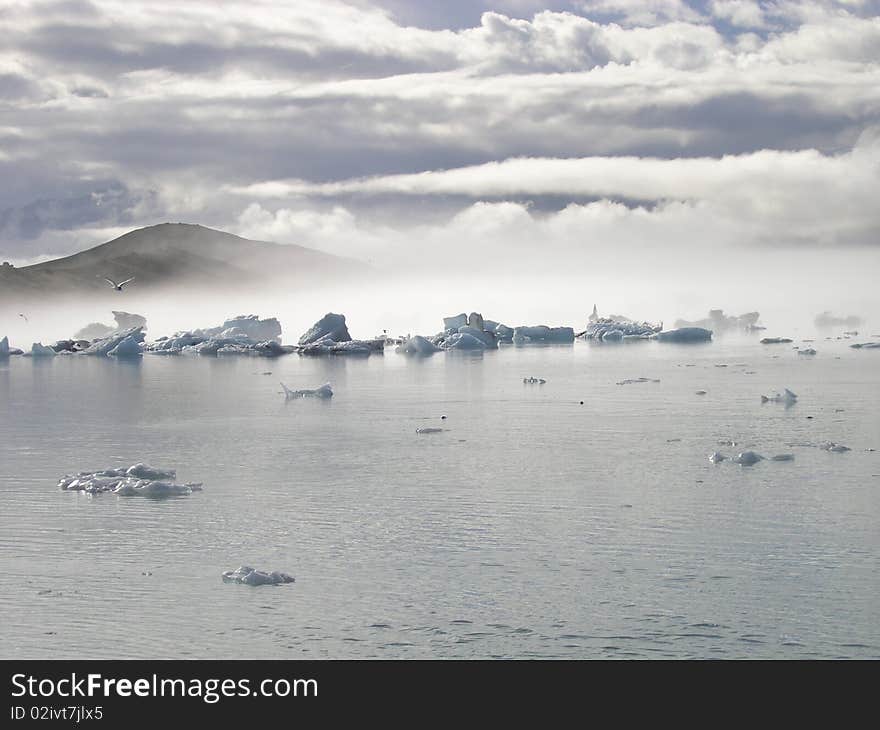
453	323
136	480
463	341
325	391
330	326
747	458
684	335
716	457
4	347
129	347
786	397
250	577
417	345
104	346
38	349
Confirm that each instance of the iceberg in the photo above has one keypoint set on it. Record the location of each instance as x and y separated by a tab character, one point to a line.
330	326
104	346
786	397
716	457
776	340
720	323
833	447
4	348
806	351
136	480
747	458
248	576
684	335
38	349
865	345
417	345
542	333
463	341
487	338
430	429
325	391
453	323
129	347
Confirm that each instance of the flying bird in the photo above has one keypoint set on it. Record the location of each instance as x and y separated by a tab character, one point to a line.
118	287
23	317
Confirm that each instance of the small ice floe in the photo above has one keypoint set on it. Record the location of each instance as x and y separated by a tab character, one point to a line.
136	480
776	340
684	335
4	348
325	391
747	458
430	429
630	381
38	349
250	577
807	351
617	329
701	392
330	336
865	345
417	345
782	457
716	457
786	397
833	447
534	381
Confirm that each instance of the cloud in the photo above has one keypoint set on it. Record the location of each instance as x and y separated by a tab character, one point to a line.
353	105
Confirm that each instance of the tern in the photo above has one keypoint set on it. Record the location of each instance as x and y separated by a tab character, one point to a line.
118	287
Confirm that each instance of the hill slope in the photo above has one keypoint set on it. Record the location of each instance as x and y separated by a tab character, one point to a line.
172	255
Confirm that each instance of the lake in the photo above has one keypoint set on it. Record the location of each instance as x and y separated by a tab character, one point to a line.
533	526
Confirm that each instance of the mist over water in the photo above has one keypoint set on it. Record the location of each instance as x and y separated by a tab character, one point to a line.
788	288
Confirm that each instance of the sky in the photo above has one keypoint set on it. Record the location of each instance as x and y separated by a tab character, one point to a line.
566	134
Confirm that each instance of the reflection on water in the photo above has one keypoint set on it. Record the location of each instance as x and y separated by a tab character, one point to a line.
533	526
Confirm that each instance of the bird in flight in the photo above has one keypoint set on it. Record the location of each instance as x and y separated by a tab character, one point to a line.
118	287
23	317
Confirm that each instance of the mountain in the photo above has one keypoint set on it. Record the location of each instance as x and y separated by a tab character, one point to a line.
172	255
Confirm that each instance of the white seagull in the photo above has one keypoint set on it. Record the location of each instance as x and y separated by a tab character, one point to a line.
118	287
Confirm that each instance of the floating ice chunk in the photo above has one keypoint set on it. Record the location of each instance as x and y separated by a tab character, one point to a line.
250	577
684	334
463	341
4	347
38	349
807	351
136	480
617	329
330	325
328	346
542	333
129	347
325	391
716	457
782	457
631	381
430	429
453	323
786	397
417	345
776	340
487	338
534	381
254	328
142	471
104	346
701	392
503	333
833	447
865	345
747	458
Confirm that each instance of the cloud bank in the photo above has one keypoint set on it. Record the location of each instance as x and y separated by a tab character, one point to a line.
399	132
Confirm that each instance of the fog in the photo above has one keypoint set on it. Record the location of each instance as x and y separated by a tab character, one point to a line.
788	287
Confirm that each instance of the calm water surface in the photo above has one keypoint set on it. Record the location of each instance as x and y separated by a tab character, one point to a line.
533	527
